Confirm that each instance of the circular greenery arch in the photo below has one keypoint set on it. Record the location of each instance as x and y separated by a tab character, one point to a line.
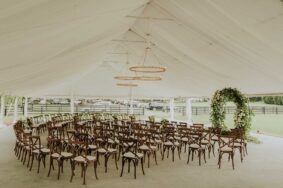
242	116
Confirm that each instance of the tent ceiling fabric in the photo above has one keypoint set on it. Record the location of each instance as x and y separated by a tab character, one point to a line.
76	47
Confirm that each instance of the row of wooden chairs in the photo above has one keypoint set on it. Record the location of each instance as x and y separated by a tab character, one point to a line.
84	142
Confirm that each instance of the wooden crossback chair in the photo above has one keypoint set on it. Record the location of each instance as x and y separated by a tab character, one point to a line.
130	154
226	146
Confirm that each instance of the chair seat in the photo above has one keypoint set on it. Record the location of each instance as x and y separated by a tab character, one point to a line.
128	144
204	142
27	147
55	155
185	139
153	148
92	147
63	154
102	150
237	144
195	146
144	147
82	159
43	150
99	139
176	144
226	149
66	154
177	138
133	156
112	150
168	143
158	141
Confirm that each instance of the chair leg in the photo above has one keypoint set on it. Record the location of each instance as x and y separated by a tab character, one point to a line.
73	170
155	158
106	161
209	150
38	166
241	154
189	153
59	168
97	158
213	148
199	157
179	152
123	163
135	169
219	160
84	172
29	154
25	157
43	160
142	166
116	161
129	164
32	158
95	167
232	156
50	164
148	159
173	153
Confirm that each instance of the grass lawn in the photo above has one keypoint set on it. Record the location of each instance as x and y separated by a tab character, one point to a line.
270	124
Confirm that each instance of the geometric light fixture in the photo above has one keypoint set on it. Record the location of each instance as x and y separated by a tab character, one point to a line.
124	78
127	84
148	69
139	78
148	78
143	68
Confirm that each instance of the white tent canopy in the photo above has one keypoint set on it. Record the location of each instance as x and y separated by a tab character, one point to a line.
76	47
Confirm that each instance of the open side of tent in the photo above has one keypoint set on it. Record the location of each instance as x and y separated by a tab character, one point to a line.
62	48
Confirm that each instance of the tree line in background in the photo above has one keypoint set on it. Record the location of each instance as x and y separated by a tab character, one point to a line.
278	100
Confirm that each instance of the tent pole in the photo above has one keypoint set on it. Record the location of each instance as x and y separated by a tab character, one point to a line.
131	101
189	110
171	109
16	110
26	107
2	110
72	104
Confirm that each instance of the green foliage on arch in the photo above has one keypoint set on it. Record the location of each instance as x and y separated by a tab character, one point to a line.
242	116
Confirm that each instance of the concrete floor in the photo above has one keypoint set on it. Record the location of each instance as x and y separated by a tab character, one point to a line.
262	168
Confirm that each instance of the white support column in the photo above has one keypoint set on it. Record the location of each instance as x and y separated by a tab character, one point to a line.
189	110
72	105
171	109
16	110
2	110
26	107
131	101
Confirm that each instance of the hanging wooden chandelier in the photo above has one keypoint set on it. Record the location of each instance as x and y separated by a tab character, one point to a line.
147	69
127	84
148	78
124	77
139	78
